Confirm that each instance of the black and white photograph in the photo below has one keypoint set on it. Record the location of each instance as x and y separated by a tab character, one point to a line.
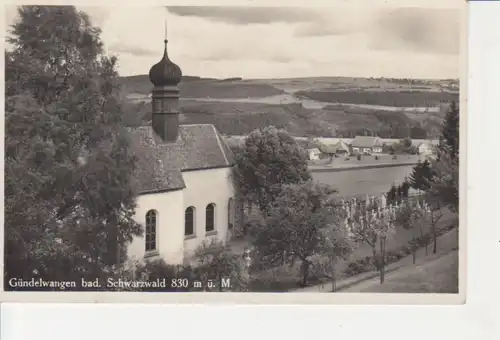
215	149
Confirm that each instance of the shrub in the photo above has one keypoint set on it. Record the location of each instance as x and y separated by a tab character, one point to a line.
151	271
360	266
394	256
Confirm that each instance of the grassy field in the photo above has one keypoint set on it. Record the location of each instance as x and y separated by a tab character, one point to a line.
405	98
239	118
438	275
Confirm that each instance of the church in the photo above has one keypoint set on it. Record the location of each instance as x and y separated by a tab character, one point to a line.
184	172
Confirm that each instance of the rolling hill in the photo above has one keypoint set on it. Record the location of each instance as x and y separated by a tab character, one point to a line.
347	107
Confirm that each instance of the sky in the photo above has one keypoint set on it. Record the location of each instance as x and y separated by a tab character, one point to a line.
285	42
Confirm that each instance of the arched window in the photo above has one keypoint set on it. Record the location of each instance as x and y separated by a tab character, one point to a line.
230	214
210	217
151	220
189	221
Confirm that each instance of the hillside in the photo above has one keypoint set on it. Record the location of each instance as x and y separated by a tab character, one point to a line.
397	98
196	87
363	106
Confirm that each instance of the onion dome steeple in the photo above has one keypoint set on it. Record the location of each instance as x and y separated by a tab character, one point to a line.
165	72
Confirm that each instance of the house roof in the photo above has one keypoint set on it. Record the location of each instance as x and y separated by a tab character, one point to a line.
366	142
160	165
333	148
315	150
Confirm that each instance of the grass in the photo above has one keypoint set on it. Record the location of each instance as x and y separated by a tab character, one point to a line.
436	276
432	273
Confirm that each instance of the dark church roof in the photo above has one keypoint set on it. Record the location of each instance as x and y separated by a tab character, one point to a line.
165	72
160	165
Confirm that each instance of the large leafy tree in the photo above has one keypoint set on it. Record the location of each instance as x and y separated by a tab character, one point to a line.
69	194
269	159
293	230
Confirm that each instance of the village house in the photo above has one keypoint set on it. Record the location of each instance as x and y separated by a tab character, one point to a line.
366	144
184	175
332	149
426	149
313	154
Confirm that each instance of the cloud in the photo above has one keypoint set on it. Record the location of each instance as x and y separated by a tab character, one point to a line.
335	22
247	15
417	29
225	42
119	47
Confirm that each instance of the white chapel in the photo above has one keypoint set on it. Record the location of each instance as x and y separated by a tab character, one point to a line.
184	172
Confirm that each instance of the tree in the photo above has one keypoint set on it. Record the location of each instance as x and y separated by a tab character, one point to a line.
412	215
336	245
421	176
216	264
450	131
69	193
292	229
445	179
405	189
435	215
371	222
406	142
392	194
269	159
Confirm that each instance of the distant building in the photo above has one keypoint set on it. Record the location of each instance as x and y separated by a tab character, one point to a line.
313	154
427	150
362	144
184	174
337	148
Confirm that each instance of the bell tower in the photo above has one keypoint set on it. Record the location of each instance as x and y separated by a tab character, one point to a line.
165	77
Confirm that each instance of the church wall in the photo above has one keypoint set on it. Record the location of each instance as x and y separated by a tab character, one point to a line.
202	188
170	226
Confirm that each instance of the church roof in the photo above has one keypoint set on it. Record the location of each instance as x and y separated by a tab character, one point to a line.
160	165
